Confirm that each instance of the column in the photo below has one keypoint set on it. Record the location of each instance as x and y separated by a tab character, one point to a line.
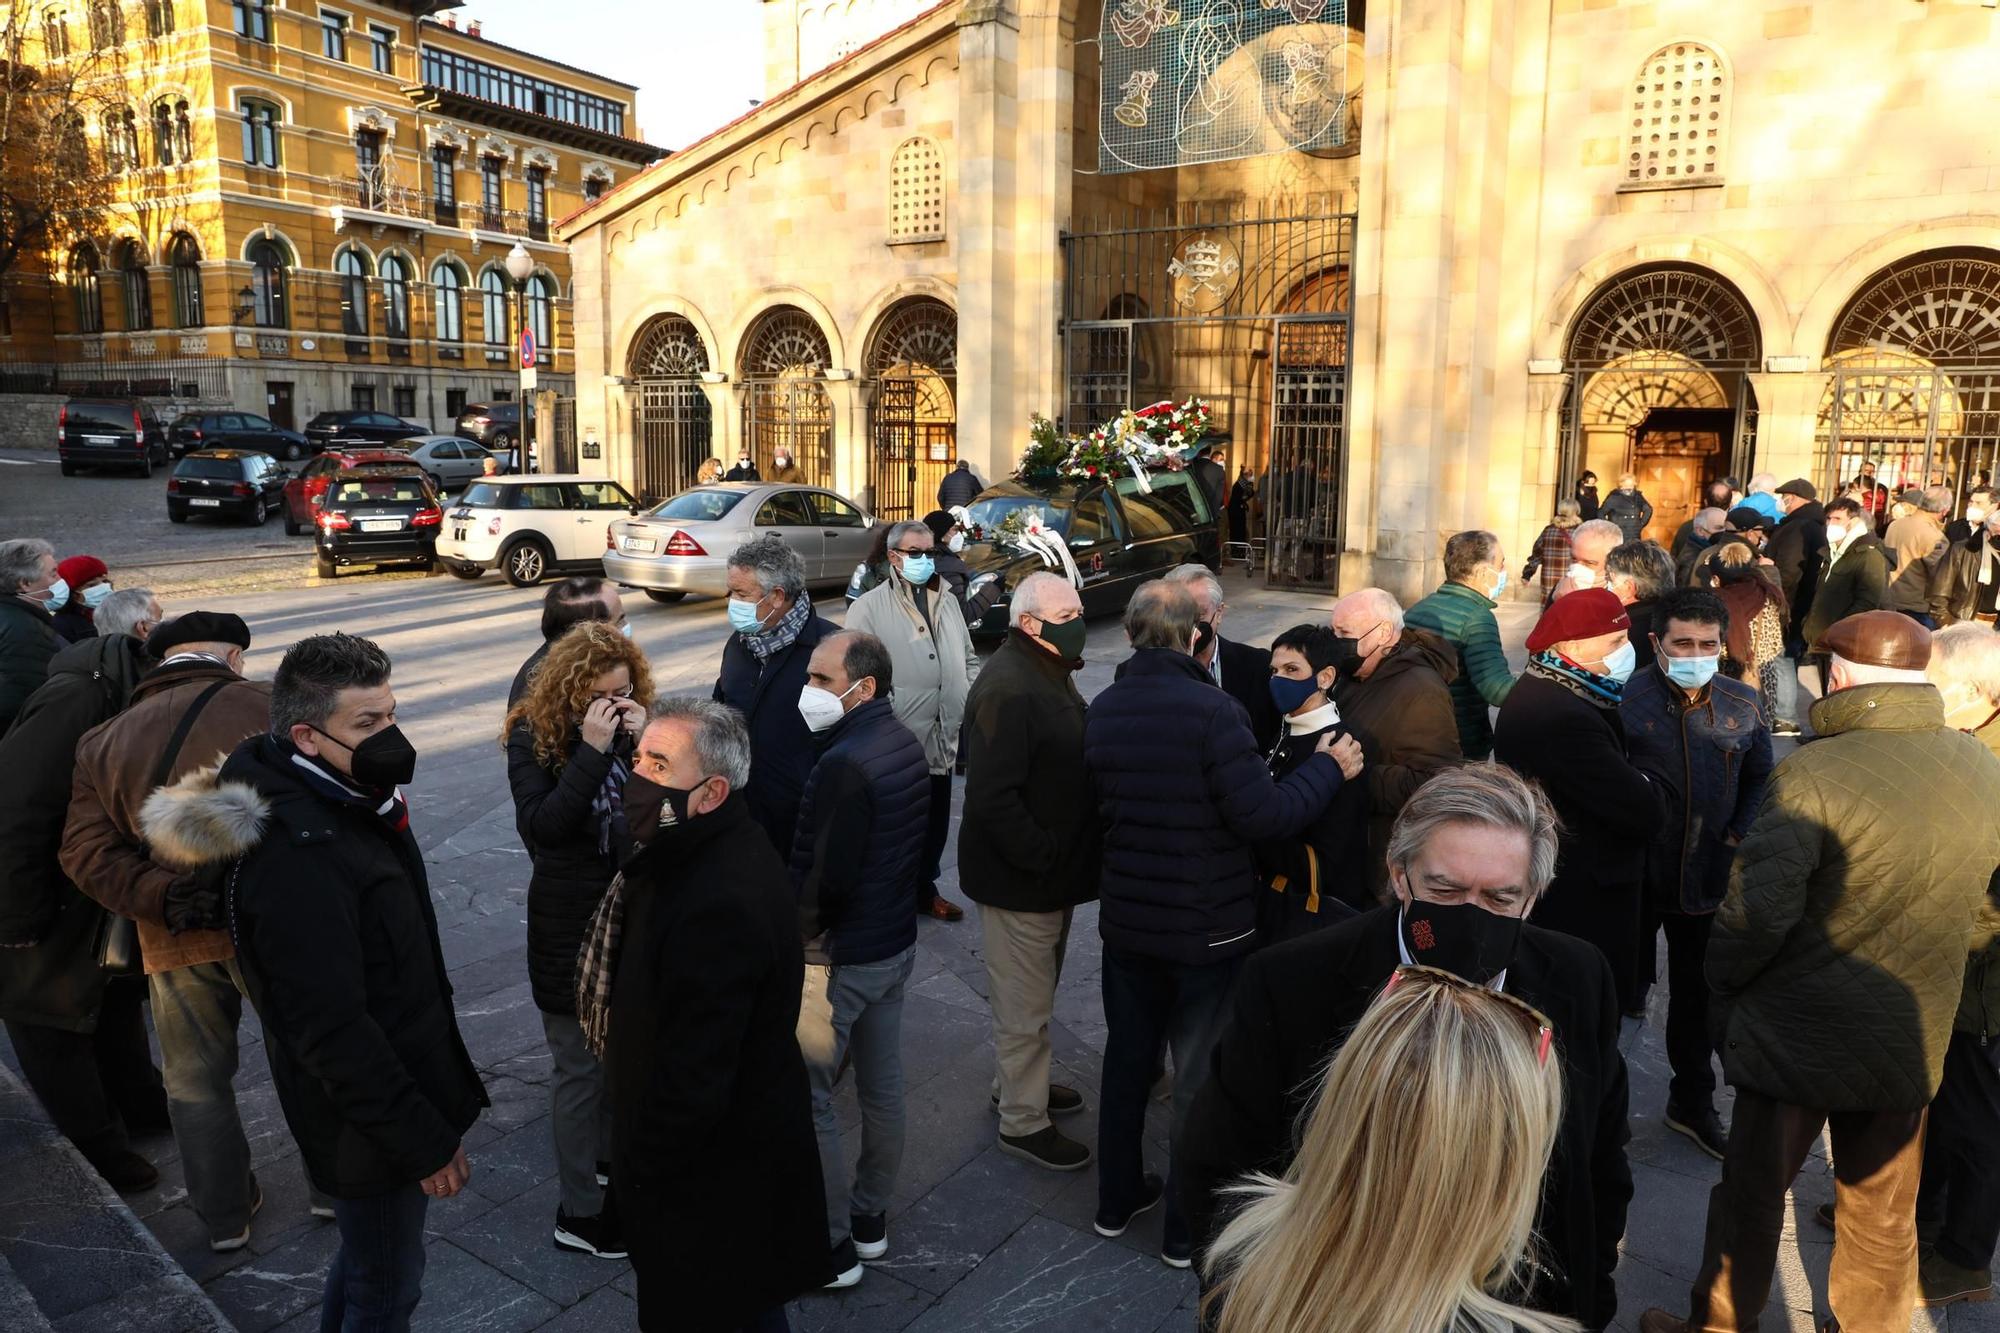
725	414
1788	406
850	433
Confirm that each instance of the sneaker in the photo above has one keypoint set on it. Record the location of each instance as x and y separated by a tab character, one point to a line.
323	1210
1177	1253
1111	1225
603	1174
1048	1147
1943	1282
230	1244
1062	1100
125	1171
870	1232
1704	1126
847	1267
1785	729
596	1236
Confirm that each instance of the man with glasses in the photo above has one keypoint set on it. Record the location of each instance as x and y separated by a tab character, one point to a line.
1470	853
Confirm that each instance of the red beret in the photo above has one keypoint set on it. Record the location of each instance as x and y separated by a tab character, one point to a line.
1583	614
81	569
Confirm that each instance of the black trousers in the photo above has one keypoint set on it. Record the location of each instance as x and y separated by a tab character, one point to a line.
935	836
93	1082
1689	1046
1959	1200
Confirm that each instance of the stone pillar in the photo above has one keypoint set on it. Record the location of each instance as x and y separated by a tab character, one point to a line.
1787	422
850	433
725	414
613	425
1541	463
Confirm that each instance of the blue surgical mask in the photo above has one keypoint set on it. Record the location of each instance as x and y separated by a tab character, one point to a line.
1499	587
1690	673
1618	663
1290	695
918	569
58	593
93	596
743	617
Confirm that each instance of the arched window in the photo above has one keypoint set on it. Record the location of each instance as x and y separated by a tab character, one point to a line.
1679	118
542	310
268	282
353	273
173	132
916	192
55	35
447	302
260	132
159	17
73	145
138	286
107	25
83	289
395	272
184	257
121	139
493	305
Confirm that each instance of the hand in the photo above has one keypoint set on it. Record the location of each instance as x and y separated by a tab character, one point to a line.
449	1179
600	723
632	715
194	900
1346	751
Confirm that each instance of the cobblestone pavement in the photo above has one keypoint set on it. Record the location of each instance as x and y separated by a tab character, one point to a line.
978	1241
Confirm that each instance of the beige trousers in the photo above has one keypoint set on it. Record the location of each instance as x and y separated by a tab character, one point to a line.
1024	958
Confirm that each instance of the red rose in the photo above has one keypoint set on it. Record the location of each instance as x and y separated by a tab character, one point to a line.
1091	470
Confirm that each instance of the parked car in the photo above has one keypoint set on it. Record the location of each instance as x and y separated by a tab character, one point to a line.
234	430
374	515
450	461
110	432
331	428
530	527
245	484
1119	536
682	544
304	488
495	425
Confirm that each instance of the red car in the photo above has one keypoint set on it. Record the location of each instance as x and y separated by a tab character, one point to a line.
303	491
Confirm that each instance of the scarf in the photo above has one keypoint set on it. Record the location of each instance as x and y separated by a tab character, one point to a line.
769	643
595	963
609	804
392	810
1601	691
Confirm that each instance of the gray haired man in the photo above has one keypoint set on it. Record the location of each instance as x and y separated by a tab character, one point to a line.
30	592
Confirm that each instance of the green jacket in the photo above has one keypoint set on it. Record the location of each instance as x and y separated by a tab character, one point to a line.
1858	581
1463	617
1979	1008
1837	956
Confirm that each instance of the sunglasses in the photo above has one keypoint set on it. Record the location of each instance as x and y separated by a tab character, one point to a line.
1538	1022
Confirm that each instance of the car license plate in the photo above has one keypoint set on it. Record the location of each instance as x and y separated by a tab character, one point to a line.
206	504
381	525
645	544
102	439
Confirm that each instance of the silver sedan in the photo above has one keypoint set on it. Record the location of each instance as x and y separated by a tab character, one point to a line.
682	545
450	461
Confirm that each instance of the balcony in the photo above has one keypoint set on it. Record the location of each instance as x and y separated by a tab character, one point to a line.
492	218
444	212
383	198
538	228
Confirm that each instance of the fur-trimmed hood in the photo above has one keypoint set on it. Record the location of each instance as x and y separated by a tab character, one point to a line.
200	820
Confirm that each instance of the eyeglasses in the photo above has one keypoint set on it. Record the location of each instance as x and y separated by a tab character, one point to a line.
622	692
1538	1022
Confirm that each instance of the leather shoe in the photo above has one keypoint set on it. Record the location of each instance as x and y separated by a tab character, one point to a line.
125	1171
944	909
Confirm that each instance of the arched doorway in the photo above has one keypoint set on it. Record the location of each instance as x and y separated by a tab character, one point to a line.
785	402
1659	361
1915	384
672	428
913	407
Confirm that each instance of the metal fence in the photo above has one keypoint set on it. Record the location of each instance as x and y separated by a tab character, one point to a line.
193	377
1917	426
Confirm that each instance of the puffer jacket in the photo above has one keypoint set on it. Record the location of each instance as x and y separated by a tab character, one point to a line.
1463	617
1856	580
1838	958
1979	1006
28	640
1403	717
571	868
1630	510
1720	746
931	657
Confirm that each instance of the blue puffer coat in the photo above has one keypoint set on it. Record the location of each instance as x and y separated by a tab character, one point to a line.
1184	795
781	745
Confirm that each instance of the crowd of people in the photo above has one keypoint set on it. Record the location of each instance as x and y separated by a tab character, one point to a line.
1374	908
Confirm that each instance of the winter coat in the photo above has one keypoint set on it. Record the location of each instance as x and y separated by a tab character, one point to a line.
742	472
72	624
1463	617
572	868
1587	503
1213	478
1246	678
1321	876
1703	568
1955	590
930	656
1029	839
1184	795
767	693
58	982
1403	717
712	1137
1630	510
961	486
788	475
958	576
1979	1005
1292	1008
1916	548
1797	551
859	846
526	673
1838	959
1552	556
1855	582
27	641
104	852
1610	808
331	912
1720	745
1644	615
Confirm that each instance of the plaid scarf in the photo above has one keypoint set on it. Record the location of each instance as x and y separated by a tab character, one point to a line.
609	805
769	643
595	963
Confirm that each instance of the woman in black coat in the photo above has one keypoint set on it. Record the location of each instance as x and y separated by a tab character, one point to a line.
569	746
1320	876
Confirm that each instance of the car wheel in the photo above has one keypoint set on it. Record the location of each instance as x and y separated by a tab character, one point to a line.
69	469
146	465
465	571
293	452
525	563
327	569
259	511
668	595
176	516
437	482
292	526
502	441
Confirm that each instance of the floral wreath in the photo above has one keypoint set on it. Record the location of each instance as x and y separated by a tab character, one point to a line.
1156	438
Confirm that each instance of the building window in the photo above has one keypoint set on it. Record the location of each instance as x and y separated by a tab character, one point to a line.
173	132
107	25
538	202
72	145
138	287
159	17
395	296
55	35
352	271
491	215
490	83
121	139
448	303
403	400
361	397
333	35
916	192
84	291
541	310
594	188
444	184
260	132
253	19
454	404
184	258
493	306
368	168
382	49
267	284
1680	117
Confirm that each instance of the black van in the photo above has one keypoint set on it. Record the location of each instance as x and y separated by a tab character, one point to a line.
110	432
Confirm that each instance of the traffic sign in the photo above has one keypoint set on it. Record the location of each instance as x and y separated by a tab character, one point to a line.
528	347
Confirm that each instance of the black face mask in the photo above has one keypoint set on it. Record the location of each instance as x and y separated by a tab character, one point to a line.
382	761
650	807
1346	657
1204	635
1464	938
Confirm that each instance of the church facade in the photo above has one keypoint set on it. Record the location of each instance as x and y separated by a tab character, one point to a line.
1428	260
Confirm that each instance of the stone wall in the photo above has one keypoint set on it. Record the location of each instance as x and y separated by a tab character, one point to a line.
28	420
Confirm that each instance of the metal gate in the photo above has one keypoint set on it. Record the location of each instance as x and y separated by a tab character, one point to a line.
562	445
785	403
674	430
1918	426
913	411
1248	312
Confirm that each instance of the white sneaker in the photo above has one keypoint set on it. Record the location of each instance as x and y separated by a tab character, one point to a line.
851	1278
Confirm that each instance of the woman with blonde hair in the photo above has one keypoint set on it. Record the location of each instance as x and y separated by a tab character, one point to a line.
569	746
1553	552
1410	1206
1754	647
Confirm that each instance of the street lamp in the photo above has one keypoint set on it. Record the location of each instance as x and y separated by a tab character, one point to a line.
520	265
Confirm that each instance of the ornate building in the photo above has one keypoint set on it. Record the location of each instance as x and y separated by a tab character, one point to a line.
311	207
1431	259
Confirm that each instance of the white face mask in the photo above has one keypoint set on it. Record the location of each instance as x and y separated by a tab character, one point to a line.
1583	576
956	544
1836	533
821	708
1975	515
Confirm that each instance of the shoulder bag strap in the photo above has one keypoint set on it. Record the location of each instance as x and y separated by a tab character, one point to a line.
165	767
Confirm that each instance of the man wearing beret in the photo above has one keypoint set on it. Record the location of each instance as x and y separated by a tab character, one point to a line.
1836	963
186	714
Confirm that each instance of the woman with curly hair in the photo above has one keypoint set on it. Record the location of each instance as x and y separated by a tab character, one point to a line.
569	750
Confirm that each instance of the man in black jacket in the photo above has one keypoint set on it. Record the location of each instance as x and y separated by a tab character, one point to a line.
1184	796
1028	851
30	591
1470	853
1798	552
577	598
711	1127
331	912
960	487
1242	670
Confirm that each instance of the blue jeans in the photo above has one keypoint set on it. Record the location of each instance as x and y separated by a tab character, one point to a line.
1785	699
378	1271
867	1026
1147	1001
